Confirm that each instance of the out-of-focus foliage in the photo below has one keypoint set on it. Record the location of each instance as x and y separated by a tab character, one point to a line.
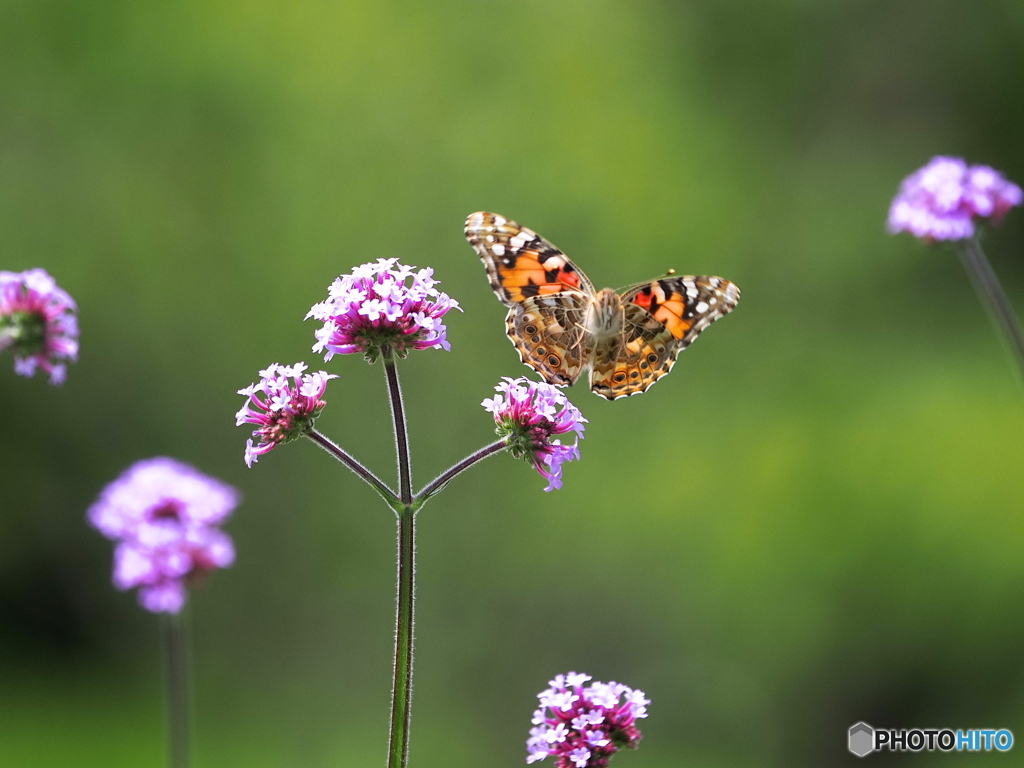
815	520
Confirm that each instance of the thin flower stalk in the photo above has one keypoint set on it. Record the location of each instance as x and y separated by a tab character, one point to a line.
401	695
401	431
389	496
993	298
438	483
178	683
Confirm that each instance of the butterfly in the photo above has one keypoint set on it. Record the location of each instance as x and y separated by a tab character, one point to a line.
561	326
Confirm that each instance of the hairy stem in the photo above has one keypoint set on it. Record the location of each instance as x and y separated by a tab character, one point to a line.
401	433
352	463
179	692
401	695
401	698
993	297
441	480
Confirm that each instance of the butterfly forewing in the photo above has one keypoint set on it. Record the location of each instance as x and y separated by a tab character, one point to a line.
685	304
520	263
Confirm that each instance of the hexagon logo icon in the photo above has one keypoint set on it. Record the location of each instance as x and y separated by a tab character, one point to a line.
861	739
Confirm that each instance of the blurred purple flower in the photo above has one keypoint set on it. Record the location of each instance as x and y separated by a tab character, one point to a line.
528	414
376	305
165	514
37	321
940	200
584	726
286	409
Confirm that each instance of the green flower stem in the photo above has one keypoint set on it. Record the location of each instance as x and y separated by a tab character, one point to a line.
179	692
401	697
441	480
349	461
406	506
401	693
401	434
993	297
401	700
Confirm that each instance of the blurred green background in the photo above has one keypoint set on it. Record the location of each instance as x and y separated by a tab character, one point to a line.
815	520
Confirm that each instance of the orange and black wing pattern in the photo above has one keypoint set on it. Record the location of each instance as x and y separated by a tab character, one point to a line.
520	263
685	304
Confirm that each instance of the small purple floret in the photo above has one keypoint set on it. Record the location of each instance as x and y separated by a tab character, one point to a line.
529	414
941	200
165	514
37	321
382	303
583	726
284	404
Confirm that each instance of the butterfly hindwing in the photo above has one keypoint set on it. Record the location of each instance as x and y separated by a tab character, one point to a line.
548	334
520	263
630	363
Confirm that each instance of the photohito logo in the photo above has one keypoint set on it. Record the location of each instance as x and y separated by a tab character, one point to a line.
862	739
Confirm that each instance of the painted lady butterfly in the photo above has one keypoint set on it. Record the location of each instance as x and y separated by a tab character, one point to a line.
560	325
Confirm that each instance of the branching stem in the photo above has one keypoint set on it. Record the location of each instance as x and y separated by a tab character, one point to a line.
405	506
352	463
438	483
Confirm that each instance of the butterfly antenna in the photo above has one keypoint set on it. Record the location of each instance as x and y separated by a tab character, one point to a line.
670	273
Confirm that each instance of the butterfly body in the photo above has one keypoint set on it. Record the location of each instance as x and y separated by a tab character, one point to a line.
605	317
561	325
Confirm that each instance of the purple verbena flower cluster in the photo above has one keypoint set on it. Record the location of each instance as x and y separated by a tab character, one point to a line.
37	321
165	514
941	200
284	403
529	414
382	303
584	726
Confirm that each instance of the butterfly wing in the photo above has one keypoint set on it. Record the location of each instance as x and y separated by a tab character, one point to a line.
631	362
549	298
520	263
660	319
547	331
547	295
685	304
